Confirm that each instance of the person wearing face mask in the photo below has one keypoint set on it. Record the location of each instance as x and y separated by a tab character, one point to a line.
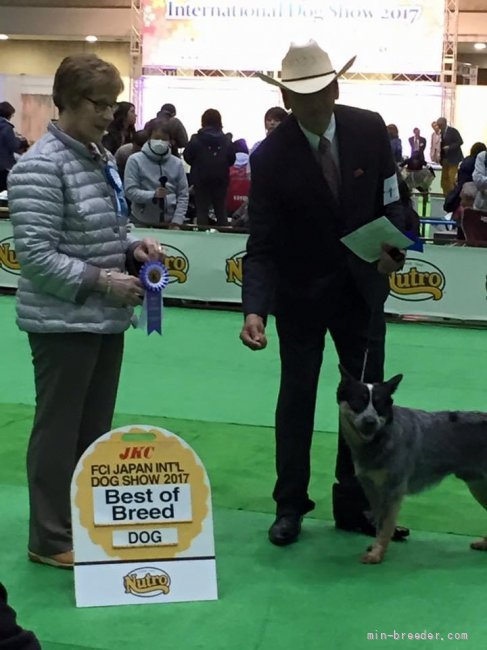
155	182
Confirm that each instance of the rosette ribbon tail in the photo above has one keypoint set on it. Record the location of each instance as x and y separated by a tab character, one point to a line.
154	277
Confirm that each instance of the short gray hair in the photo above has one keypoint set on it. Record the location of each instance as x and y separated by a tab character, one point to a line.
79	76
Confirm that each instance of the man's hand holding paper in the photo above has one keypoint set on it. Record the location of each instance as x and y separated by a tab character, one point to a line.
379	241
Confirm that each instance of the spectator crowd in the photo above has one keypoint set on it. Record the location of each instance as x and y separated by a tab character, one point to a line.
171	179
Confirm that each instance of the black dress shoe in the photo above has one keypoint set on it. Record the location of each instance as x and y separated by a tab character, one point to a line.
285	530
364	525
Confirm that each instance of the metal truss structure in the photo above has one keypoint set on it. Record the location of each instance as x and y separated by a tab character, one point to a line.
447	77
449	59
136	43
351	76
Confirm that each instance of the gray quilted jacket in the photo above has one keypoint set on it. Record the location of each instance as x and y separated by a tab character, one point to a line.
66	229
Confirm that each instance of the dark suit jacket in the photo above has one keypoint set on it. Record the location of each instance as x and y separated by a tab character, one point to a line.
453	139
422	144
293	251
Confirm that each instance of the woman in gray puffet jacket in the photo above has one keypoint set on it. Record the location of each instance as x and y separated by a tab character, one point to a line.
74	297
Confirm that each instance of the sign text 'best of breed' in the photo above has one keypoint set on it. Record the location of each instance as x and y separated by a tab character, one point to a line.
142	521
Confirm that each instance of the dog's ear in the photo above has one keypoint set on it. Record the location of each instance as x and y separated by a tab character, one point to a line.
393	383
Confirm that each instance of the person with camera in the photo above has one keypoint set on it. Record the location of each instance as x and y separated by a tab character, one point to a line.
9	143
155	182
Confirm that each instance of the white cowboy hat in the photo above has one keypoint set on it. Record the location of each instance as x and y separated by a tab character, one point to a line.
306	69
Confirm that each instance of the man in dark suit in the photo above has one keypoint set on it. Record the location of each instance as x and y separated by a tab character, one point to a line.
323	172
451	154
417	144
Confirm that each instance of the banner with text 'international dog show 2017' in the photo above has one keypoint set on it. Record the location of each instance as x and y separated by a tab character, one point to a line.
393	36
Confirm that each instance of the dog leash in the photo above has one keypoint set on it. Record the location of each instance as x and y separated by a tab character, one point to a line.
398	257
364	365
373	313
367	345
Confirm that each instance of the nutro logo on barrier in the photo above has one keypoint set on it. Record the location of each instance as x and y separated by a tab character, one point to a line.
177	264
8	257
418	280
147	582
234	268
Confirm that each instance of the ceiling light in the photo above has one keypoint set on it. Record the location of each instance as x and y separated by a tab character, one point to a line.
91	39
480	46
3	37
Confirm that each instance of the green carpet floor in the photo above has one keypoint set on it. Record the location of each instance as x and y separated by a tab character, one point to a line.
219	397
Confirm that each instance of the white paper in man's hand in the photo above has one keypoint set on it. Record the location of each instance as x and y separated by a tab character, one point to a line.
366	242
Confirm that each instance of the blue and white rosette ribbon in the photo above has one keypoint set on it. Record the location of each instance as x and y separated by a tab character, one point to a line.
115	182
155	278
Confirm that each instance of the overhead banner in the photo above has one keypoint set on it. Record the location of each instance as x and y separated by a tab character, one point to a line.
397	36
207	266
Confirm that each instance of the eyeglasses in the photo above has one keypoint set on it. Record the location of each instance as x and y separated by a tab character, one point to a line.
101	107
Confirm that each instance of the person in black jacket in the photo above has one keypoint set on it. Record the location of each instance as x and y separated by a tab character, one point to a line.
210	155
9	143
122	129
396	144
322	173
467	166
12	636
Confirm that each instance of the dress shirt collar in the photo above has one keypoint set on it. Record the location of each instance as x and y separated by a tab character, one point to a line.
314	139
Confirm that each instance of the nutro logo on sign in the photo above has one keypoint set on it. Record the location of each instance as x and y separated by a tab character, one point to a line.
418	280
234	268
147	582
177	264
8	257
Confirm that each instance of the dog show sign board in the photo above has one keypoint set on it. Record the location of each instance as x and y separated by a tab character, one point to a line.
142	521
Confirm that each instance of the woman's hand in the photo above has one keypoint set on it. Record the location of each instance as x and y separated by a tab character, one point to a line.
120	288
126	289
160	193
149	250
